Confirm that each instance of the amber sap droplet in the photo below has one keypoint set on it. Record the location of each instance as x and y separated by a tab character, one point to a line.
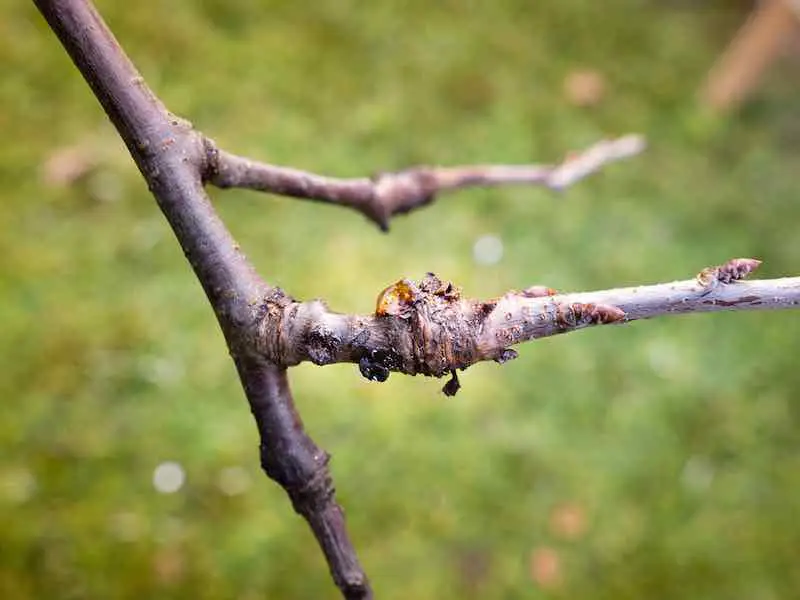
396	299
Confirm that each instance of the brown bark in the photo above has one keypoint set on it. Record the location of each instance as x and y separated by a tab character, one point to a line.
172	158
425	327
384	195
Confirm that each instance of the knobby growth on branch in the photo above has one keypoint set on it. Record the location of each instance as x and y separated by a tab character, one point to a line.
418	327
427	327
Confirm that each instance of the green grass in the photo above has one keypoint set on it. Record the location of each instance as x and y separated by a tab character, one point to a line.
676	440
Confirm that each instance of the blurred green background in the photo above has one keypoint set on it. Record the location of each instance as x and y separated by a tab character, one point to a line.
657	460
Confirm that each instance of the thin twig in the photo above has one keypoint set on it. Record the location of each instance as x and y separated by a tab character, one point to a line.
387	194
712	290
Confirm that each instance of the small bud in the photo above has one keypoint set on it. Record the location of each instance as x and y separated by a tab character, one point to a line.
733	270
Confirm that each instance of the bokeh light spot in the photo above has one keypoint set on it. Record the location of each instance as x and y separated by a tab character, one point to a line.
168	477
233	481
488	250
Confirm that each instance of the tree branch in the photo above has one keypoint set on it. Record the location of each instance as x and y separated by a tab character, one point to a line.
386	194
291	458
428	328
422	327
172	156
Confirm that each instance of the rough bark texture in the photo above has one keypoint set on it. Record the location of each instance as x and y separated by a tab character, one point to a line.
429	328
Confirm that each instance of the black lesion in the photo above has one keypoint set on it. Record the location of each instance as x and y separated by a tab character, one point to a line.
374	371
453	384
322	346
376	365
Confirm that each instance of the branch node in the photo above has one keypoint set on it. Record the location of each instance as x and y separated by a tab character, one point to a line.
401	192
735	269
314	494
209	170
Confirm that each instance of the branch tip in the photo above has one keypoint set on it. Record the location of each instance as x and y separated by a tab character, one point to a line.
733	270
210	167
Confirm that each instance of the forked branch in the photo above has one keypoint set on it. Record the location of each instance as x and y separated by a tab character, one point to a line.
387	194
418	327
